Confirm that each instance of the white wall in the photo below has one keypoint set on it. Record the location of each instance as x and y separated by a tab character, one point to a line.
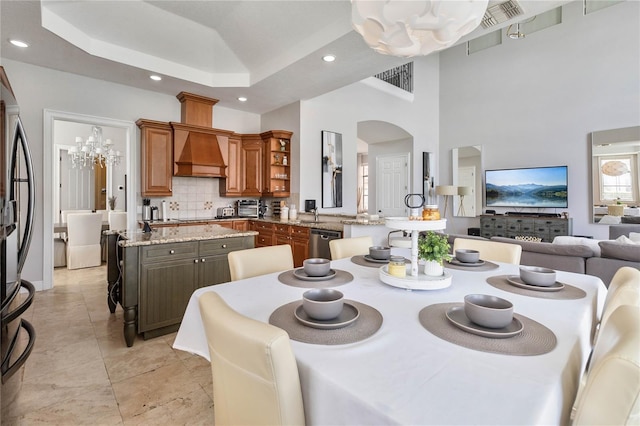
341	110
39	88
534	101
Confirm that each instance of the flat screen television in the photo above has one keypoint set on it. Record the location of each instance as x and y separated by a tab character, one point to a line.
540	187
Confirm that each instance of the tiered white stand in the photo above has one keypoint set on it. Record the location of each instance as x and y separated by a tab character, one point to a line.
415	279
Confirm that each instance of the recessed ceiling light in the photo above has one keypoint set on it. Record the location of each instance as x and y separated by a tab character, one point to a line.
242	99
155	77
18	43
329	58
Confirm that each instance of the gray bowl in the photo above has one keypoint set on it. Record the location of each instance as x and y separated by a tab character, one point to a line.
534	275
488	311
380	252
316	267
322	303
467	256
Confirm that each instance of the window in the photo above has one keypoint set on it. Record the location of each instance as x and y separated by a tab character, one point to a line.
618	177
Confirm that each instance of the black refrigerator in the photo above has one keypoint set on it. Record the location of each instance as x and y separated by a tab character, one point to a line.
17	206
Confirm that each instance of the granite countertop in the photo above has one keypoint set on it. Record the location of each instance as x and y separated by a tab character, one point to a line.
329	226
179	234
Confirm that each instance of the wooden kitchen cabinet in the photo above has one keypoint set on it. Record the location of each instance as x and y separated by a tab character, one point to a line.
295	236
252	165
277	163
231	186
265	233
156	158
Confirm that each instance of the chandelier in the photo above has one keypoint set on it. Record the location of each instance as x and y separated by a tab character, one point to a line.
409	28
94	151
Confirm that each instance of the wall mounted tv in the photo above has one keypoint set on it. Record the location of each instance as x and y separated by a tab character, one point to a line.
527	187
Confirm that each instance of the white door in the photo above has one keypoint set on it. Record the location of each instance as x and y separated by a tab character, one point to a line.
466	177
392	184
76	185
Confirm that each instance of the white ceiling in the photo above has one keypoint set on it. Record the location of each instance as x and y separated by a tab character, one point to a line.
268	51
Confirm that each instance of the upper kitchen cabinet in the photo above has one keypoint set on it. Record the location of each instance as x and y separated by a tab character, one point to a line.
232	153
251	165
277	163
156	161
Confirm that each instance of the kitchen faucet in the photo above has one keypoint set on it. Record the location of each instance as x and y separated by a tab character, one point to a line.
315	213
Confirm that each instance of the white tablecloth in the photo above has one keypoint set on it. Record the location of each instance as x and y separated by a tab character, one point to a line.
405	375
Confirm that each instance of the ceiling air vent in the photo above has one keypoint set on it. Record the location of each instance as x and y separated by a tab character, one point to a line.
502	12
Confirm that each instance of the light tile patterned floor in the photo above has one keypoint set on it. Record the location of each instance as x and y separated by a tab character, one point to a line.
82	373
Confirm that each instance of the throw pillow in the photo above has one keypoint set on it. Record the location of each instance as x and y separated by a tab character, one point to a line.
626	240
609	220
528	238
634	236
579	241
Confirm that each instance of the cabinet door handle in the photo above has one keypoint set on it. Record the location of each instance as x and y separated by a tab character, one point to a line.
172	251
224	246
195	261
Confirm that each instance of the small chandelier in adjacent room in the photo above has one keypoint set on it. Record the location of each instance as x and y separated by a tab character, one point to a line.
94	151
409	28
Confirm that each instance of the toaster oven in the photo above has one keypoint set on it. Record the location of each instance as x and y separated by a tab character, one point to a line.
247	208
226	212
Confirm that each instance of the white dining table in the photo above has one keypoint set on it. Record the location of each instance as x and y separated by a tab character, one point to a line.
405	375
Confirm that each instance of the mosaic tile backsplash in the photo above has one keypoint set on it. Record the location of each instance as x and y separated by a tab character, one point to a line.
193	198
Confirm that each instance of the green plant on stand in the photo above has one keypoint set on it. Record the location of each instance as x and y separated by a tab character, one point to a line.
434	249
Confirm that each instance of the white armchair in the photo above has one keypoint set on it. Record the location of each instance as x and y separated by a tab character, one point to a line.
83	244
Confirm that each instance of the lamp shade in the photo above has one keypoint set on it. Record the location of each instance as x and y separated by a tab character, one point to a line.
415	27
464	190
446	190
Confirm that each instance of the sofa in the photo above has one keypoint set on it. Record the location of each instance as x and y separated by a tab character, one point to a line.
598	258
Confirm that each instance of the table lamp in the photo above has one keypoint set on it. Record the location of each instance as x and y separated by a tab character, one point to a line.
462	191
446	190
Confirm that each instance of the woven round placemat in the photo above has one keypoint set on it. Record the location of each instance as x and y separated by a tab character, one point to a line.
535	338
488	266
341	278
360	260
569	292
369	321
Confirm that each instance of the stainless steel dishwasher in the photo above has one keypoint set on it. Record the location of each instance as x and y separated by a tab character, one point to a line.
319	242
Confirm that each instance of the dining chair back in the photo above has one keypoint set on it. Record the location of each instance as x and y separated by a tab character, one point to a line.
65	213
347	247
611	393
255	375
491	250
83	244
624	289
117	220
259	261
400	240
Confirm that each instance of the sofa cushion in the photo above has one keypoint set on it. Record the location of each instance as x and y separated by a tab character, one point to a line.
550	248
574	241
620	250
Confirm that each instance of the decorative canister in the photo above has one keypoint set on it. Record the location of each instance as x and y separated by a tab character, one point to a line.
430	212
284	213
397	267
293	212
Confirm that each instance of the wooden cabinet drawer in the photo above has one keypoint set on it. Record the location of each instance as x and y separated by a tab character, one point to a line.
263	226
301	232
220	246
282	229
164	252
264	240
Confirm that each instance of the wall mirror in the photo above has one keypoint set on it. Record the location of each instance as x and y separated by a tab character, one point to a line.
615	173
331	169
467	171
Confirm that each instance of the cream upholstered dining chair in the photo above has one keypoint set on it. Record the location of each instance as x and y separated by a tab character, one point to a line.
347	247
491	250
83	244
65	213
259	261
624	289
255	375
611	393
117	220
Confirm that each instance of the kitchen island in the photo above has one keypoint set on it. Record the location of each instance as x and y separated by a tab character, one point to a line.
161	269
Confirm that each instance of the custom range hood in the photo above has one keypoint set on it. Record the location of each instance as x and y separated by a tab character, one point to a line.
196	145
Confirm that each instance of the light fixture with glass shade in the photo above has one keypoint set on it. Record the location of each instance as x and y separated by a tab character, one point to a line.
409	28
94	151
